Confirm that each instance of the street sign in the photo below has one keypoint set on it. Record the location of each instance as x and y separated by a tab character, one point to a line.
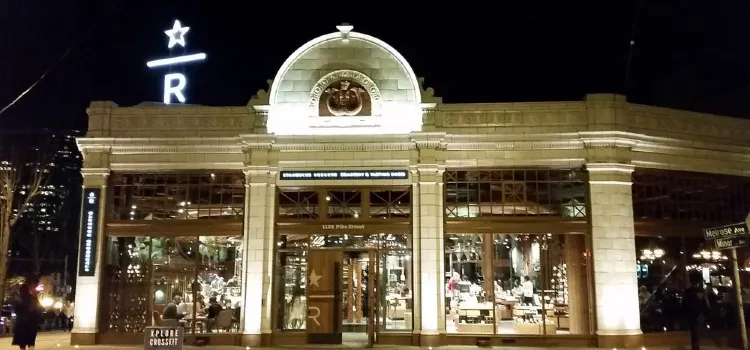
727	231
163	338
726	243
731	237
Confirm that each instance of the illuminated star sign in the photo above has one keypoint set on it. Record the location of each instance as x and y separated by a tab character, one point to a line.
175	83
176	34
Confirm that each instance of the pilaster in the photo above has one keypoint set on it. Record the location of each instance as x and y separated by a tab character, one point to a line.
613	243
86	317
429	235
258	252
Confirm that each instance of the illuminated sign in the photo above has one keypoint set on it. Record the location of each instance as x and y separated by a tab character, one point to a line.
164	338
342	227
345	175
175	83
89	232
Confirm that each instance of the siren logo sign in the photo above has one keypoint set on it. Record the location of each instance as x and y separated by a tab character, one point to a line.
175	83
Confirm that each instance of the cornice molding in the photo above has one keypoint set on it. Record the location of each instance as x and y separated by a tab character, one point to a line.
418	141
620	168
122	149
514	145
366	163
95	172
503	162
167	166
389	146
429	140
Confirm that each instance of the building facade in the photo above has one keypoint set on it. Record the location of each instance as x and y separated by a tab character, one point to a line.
348	203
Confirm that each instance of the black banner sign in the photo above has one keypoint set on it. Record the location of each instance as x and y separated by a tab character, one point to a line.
164	338
89	232
727	231
345	175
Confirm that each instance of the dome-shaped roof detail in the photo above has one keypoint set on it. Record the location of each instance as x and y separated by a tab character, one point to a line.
345	83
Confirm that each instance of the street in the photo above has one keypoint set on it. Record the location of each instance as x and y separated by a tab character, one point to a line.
61	341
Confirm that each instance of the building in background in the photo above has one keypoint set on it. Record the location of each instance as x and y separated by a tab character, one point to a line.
567	223
45	238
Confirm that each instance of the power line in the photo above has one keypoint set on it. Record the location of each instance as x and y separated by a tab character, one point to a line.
57	63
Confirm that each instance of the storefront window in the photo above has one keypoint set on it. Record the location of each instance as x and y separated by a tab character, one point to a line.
291	289
396	297
664	266
125	291
298	204
180	196
688	196
516	284
191	281
515	192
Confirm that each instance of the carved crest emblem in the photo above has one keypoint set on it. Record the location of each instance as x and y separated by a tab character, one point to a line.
346	100
344	93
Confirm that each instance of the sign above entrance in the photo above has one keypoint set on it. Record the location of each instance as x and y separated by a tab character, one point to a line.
345	175
175	83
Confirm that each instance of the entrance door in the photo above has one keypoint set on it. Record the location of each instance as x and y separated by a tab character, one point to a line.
324	296
372	296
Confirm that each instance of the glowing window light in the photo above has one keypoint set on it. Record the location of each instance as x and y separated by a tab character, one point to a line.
652	254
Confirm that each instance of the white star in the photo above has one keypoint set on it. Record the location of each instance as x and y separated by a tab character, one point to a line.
314	278
176	34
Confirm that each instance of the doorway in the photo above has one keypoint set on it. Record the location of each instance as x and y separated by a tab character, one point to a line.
342	299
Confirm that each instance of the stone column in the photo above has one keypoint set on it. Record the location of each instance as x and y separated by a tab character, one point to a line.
260	197
613	243
88	283
429	235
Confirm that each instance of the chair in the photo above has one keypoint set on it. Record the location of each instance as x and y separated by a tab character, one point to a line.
157	320
224	320
160	322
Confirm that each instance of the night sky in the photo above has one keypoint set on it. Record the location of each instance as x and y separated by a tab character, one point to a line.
688	54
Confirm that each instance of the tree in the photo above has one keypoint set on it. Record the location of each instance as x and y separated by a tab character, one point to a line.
22	179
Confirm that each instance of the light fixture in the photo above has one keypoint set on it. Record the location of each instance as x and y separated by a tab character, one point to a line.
649	254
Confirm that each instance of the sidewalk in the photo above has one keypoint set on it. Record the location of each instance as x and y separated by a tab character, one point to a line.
61	341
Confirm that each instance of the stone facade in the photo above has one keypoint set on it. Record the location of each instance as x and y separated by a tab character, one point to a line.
603	132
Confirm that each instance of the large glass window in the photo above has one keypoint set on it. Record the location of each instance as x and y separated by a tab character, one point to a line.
344	204
179	196
687	196
664	266
516	284
194	281
515	192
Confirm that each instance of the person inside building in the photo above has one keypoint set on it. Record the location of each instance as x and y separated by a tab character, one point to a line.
170	311
212	312
528	291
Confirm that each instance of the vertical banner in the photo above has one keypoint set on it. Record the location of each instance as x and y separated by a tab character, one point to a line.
89	232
